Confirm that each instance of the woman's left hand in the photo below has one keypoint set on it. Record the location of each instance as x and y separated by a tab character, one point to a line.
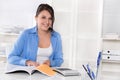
47	62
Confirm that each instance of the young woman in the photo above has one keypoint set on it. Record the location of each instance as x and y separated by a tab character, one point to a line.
40	44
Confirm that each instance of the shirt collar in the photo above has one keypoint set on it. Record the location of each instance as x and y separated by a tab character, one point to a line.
34	30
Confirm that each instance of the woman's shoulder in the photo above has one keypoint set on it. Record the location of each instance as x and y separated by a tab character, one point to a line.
29	30
55	33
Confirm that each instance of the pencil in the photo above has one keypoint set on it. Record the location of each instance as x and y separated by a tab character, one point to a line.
87	72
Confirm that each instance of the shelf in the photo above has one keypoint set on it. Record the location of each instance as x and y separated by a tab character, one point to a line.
111	58
9	34
2	55
111	39
111	36
110	61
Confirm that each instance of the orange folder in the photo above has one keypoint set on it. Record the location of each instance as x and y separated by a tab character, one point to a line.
46	70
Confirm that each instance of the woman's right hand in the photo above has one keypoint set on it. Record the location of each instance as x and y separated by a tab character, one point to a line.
31	63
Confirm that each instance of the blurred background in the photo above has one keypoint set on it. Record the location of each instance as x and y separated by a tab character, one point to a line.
86	26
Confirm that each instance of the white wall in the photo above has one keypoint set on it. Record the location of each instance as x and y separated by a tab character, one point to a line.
88	31
19	12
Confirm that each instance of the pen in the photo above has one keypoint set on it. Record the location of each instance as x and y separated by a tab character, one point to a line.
99	59
90	72
87	72
98	62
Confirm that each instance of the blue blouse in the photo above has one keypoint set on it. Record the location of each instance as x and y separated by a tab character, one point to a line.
27	45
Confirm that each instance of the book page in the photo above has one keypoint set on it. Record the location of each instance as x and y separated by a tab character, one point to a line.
43	68
12	68
46	70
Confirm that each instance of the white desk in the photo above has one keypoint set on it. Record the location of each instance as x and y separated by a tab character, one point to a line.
34	76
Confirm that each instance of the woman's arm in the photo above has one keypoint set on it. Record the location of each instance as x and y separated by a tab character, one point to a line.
15	56
56	58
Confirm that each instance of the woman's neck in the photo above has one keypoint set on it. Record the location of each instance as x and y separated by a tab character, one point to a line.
41	32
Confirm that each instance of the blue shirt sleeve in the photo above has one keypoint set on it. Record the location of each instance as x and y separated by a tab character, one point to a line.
15	56
57	58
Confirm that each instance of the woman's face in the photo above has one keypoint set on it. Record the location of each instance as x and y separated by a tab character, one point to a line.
44	20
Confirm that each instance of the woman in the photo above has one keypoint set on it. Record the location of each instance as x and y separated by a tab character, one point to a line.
40	44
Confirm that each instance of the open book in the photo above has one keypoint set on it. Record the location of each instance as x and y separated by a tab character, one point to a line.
66	71
45	69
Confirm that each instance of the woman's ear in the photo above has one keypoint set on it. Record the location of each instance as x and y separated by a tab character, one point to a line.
35	18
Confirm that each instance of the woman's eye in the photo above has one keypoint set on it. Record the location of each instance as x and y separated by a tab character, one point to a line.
43	17
50	18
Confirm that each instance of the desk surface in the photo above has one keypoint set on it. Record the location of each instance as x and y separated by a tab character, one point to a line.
34	76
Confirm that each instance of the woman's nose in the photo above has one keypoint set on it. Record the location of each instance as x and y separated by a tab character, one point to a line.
47	21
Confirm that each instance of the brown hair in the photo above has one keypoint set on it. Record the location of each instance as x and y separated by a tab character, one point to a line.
47	7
